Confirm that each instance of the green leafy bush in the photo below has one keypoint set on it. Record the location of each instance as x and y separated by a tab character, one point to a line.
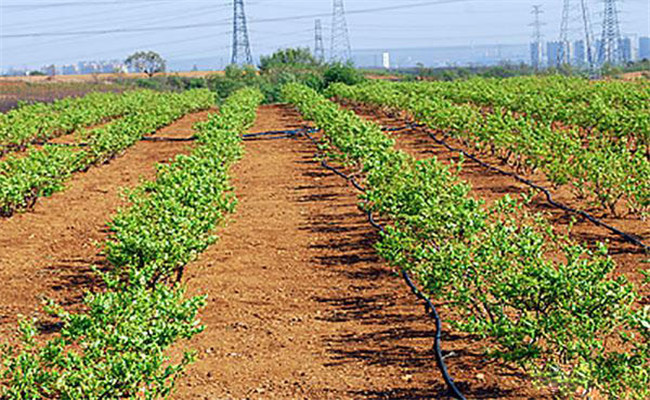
521	128
41	172
117	347
342	73
544	302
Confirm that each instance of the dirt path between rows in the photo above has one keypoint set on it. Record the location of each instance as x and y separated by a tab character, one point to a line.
48	251
300	306
490	186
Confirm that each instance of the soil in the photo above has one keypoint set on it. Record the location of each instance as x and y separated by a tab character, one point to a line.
491	186
13	92
77	137
47	252
98	78
299	304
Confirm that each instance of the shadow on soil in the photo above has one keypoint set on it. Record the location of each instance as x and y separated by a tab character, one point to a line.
397	333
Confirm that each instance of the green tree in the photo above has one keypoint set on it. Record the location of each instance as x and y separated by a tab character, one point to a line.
344	73
148	62
294	58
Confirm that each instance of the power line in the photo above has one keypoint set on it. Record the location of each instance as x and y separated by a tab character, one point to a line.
122	15
256	21
77	38
134	47
116	30
21	7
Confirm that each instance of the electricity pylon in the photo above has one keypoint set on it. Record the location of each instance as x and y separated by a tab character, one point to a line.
319	47
341	50
610	42
568	15
536	51
563	56
241	48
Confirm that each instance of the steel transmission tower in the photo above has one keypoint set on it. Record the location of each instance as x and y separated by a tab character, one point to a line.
536	50
319	47
563	56
589	34
241	48
610	49
341	49
564	43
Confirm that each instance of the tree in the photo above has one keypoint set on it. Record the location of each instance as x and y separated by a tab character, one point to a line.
148	62
344	73
295	58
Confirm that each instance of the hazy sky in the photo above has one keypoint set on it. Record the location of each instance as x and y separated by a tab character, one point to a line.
34	33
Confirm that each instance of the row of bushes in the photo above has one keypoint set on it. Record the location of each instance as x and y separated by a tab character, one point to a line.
544	302
269	80
40	172
43	121
595	165
116	348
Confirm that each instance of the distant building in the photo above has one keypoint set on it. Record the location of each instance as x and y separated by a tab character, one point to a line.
644	48
625	47
557	53
17	72
579	53
69	70
386	60
87	67
49	70
536	55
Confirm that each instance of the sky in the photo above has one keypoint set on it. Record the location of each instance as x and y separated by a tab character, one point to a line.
38	32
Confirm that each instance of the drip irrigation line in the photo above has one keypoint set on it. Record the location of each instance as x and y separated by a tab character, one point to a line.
284	134
263	139
429	308
631	238
401	128
167	139
63	144
273	135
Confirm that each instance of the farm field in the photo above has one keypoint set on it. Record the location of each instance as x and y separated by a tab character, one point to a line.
103	77
12	92
490	186
260	250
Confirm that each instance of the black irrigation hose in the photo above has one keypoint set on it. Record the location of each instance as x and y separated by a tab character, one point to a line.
282	135
263	139
429	308
549	196
63	144
167	139
291	132
401	128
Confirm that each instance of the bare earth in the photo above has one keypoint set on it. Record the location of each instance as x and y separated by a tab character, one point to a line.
48	251
301	307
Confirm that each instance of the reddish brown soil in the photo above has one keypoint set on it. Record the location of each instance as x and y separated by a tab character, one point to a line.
48	251
300	306
14	91
95	78
78	136
490	186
